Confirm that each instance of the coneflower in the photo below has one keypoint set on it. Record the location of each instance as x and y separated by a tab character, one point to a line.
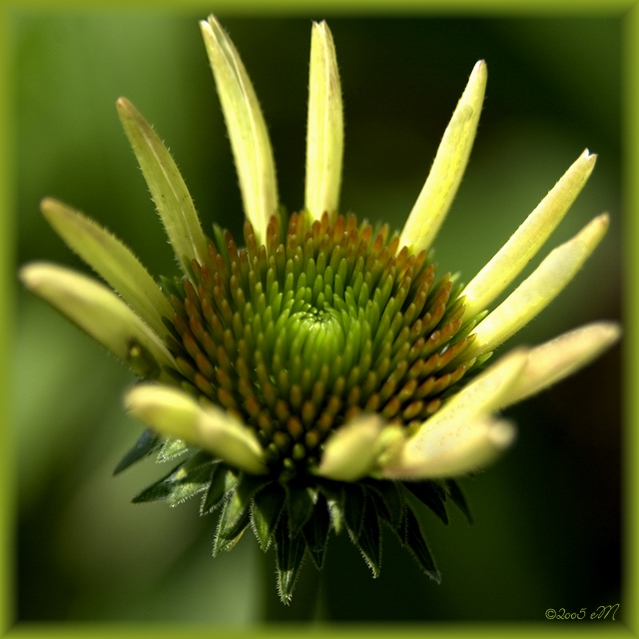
318	374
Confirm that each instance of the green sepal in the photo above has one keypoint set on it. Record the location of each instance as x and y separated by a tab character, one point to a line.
169	287
300	506
148	443
220	244
248	485
464	331
233	520
289	554
266	509
454	300
457	497
354	500
173	332
389	496
316	531
336	516
430	494
237	512
480	362
185	480
335	497
414	535
222	481
172	448
198	475
369	542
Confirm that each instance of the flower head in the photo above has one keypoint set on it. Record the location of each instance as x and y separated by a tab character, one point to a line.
318	374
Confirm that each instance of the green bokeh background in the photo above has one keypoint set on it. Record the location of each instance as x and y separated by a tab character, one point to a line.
547	531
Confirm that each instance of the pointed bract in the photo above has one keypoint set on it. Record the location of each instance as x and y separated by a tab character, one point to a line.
97	311
523	245
167	187
442	182
538	290
325	136
246	128
111	259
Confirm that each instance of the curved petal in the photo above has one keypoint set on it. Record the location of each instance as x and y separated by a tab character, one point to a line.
173	413
246	128
111	259
538	290
442	182
352	450
562	356
451	451
462	428
100	313
169	411
325	137
523	245
168	190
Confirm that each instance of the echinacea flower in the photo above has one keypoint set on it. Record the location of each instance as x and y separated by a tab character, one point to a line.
319	375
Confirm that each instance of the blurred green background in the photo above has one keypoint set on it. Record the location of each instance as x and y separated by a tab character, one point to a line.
547	516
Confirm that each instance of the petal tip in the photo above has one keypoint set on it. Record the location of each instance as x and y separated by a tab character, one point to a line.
36	274
593	232
26	275
131	400
479	75
480	67
502	434
122	104
587	155
205	28
56	211
611	331
48	204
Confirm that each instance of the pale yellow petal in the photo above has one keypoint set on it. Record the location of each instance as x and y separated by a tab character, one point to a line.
246	128
538	290
452	451
99	312
173	413
111	259
560	357
459	418
168	189
229	439
523	245
442	182
351	451
325	137
169	411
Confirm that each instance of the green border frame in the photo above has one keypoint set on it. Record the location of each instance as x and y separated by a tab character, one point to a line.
628	12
